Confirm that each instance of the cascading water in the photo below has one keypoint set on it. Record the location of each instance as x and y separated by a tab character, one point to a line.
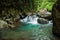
37	29
32	19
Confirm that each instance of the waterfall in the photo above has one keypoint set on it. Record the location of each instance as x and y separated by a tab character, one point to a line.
32	19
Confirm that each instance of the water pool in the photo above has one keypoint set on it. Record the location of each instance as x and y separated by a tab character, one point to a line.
31	31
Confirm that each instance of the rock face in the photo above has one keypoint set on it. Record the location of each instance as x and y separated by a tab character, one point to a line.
56	18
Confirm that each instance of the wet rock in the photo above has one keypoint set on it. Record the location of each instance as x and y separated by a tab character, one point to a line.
48	17
42	21
3	24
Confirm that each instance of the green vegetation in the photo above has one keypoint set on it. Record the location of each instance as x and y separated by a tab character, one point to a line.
27	5
44	4
47	4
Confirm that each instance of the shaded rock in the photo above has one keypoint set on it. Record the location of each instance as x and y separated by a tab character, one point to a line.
43	13
42	21
48	18
14	22
3	24
23	15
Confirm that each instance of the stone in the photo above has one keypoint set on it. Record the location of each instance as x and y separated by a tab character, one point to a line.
42	21
23	15
3	24
14	22
48	17
44	13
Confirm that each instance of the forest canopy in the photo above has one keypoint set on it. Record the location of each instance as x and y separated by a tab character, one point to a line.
27	5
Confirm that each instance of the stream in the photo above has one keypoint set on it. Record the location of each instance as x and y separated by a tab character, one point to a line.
32	30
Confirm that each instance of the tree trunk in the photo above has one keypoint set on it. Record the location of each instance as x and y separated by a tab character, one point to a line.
56	18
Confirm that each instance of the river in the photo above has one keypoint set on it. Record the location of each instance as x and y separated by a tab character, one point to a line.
31	30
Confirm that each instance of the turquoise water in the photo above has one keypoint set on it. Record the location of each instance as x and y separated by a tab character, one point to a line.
32	31
28	26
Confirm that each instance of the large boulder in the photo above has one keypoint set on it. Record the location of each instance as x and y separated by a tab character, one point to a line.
14	22
3	24
42	21
44	14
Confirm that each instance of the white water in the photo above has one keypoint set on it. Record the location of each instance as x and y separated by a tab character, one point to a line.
32	19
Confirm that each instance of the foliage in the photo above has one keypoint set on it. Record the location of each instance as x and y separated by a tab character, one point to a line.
27	5
47	4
